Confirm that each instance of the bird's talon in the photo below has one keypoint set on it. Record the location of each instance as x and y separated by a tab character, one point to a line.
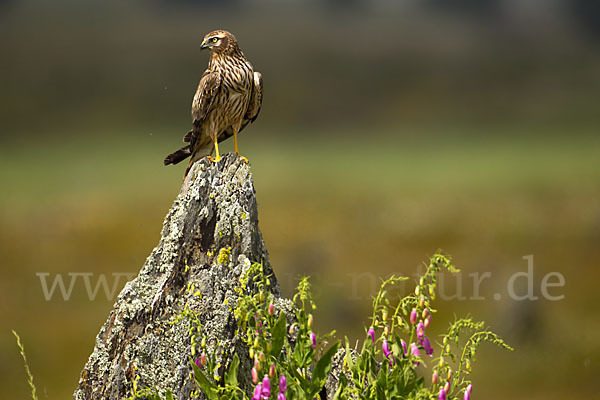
215	160
242	157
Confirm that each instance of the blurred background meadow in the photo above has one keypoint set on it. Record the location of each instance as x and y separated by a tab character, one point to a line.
389	129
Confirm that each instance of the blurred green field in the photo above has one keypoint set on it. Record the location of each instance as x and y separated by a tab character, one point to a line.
332	205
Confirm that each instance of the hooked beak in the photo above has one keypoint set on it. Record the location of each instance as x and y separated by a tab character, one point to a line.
203	45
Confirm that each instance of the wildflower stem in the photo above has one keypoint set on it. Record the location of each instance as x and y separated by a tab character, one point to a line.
472	343
29	375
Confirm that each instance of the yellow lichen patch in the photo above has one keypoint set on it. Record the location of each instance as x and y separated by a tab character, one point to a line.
223	257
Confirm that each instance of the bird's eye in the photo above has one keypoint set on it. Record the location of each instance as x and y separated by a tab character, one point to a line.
214	39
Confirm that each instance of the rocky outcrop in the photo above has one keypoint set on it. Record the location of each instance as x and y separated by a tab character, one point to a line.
209	237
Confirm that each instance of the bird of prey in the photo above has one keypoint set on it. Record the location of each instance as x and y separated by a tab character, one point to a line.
228	98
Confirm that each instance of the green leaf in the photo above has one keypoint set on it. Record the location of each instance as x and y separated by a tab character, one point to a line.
343	382
371	377
322	369
169	395
405	380
279	333
293	372
207	387
396	350
349	360
300	353
381	384
231	376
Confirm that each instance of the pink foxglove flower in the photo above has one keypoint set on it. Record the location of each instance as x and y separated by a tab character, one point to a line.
426	345
414	350
282	384
468	392
257	392
266	388
413	316
371	334
420	330
404	346
386	348
442	395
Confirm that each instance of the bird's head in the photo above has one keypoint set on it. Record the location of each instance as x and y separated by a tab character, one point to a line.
220	42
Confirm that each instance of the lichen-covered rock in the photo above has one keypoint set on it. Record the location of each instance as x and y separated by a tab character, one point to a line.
210	236
333	380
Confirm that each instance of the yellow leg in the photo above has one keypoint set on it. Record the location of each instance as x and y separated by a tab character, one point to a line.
218	156
235	146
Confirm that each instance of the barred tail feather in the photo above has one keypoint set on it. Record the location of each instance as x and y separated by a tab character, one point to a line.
178	156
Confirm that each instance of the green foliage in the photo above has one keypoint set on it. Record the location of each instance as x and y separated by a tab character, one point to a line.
210	387
146	393
387	367
27	371
277	348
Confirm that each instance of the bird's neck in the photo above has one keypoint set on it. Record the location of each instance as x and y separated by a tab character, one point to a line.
217	60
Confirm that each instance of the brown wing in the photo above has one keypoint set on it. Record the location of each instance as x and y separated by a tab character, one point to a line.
208	88
203	102
253	107
255	99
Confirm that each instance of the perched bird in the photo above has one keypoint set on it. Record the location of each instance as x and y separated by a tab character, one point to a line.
228	98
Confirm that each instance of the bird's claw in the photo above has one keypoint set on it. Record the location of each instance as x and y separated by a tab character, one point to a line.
215	160
242	157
